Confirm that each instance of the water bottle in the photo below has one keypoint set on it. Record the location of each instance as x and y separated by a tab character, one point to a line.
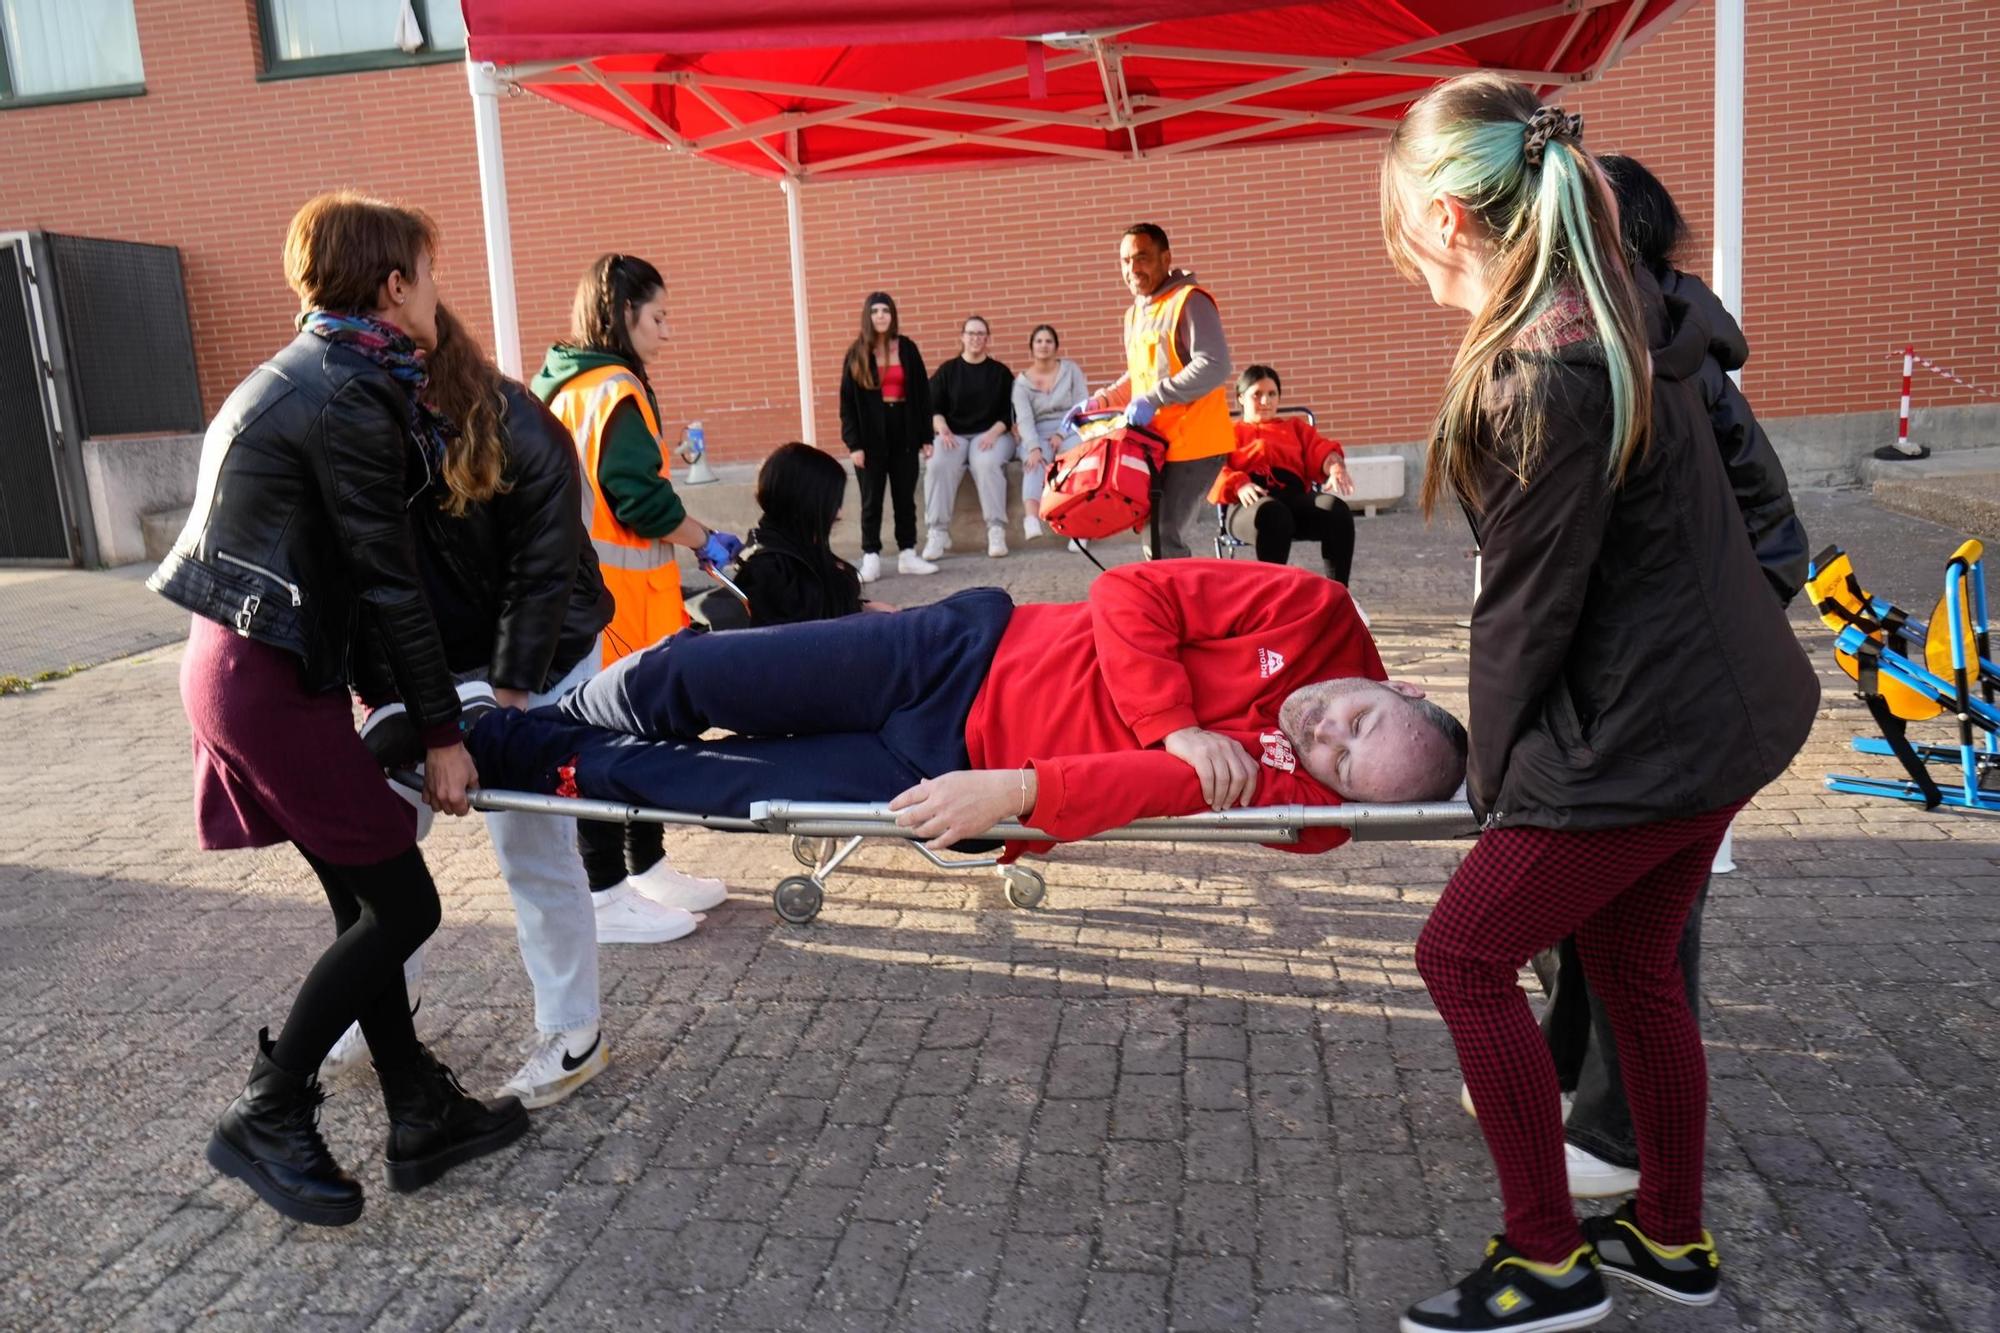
697	441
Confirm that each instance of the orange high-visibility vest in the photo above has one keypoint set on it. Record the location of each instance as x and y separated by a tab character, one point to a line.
1200	429
642	573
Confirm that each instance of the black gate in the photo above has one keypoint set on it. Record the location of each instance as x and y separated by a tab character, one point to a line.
31	505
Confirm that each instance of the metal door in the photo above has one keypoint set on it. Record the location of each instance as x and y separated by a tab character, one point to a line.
32	525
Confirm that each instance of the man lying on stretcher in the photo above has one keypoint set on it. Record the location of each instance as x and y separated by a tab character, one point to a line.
1177	686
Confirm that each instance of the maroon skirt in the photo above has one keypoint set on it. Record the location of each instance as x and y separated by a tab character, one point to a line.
274	763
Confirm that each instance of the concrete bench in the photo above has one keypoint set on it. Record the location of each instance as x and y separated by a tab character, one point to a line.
1378	481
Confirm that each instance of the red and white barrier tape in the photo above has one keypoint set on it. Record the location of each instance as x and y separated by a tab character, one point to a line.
1908	355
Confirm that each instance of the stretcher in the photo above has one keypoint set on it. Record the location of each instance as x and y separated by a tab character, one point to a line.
1908	670
825	834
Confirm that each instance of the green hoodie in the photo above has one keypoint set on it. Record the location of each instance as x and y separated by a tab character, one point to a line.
628	457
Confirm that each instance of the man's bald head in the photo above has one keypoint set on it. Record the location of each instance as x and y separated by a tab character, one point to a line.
1378	741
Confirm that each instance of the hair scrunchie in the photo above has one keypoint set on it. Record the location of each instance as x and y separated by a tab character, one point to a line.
1549	123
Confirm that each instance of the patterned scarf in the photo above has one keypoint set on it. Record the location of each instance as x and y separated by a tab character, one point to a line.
391	349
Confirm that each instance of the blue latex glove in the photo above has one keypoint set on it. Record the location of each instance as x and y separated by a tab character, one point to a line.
720	548
1074	417
1139	412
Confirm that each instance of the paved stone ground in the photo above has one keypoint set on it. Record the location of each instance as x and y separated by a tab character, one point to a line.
1202	1089
51	619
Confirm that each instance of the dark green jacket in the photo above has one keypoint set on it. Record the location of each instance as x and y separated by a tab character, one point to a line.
628	458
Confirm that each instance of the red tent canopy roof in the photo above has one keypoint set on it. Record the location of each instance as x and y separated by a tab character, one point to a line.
829	88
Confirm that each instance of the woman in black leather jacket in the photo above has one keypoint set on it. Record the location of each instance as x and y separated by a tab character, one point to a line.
299	536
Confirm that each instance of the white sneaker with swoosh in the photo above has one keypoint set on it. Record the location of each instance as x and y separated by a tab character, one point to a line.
554	1070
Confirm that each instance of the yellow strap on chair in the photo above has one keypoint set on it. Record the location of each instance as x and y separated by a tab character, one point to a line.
1842	602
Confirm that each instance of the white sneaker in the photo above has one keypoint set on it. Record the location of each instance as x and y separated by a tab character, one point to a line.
936	544
996	541
1031	527
556	1068
909	562
1591	1177
1078	545
351	1051
871	567
671	888
625	917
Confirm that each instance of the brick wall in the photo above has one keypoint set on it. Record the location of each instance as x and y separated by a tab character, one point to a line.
1872	216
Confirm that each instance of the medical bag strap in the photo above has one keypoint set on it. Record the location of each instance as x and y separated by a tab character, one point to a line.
1156	488
1868	686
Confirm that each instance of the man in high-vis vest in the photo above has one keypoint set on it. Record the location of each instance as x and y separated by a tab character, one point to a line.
1176	378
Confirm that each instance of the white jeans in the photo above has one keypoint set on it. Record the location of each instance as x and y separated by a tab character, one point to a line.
554	918
947	468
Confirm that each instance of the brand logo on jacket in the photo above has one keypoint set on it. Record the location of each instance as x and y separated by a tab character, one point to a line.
1278	751
1269	662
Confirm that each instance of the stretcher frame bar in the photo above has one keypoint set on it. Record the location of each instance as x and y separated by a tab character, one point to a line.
1269	823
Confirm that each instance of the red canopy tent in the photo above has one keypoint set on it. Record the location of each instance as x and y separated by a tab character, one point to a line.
803	90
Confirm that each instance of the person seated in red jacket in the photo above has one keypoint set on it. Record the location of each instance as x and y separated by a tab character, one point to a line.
1270	477
1177	686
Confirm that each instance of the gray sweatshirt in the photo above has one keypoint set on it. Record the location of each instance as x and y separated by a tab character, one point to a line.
1038	415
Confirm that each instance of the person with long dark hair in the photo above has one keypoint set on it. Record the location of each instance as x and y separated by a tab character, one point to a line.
514	579
597	385
1043	391
1632	682
885	422
1269	479
789	572
300	531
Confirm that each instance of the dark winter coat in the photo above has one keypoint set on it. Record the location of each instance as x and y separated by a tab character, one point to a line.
786	582
1628	662
1762	494
514	580
300	534
864	421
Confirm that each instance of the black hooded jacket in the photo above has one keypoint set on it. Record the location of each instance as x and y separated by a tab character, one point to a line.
1762	494
1629	664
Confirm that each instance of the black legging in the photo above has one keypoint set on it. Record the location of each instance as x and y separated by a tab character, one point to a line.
1281	518
892	468
610	851
381	913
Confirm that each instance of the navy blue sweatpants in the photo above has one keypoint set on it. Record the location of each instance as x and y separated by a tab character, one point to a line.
855	709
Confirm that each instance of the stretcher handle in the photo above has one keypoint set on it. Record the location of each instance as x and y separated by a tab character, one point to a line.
576	807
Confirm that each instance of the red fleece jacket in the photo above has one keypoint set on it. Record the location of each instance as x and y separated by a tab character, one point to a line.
1084	692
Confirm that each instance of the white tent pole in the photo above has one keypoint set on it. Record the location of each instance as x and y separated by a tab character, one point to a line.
485	82
801	325
1727	267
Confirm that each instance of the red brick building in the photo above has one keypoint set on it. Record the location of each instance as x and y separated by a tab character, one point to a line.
1872	216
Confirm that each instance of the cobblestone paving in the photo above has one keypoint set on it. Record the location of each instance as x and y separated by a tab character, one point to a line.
1201	1089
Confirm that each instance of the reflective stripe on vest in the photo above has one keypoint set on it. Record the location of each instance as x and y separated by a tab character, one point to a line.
1193	430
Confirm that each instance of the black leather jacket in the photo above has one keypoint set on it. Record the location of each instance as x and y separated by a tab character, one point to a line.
300	531
514	580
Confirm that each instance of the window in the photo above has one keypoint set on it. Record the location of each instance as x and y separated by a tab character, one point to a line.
68	50
303	37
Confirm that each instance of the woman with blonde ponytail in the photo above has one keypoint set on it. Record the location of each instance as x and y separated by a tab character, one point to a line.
1632	684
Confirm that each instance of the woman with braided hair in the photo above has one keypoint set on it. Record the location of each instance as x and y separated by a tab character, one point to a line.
1632	682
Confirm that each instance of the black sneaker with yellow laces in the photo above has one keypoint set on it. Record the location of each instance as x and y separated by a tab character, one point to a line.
1516	1294
1690	1274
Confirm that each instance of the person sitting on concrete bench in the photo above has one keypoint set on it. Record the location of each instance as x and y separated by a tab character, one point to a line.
1176	687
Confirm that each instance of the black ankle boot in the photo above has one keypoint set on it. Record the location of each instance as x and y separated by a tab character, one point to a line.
434	1125
269	1139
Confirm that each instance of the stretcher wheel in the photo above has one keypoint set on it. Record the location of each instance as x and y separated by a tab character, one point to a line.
798	899
806	851
1025	887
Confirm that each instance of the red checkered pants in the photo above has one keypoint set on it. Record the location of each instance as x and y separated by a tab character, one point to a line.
1624	893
